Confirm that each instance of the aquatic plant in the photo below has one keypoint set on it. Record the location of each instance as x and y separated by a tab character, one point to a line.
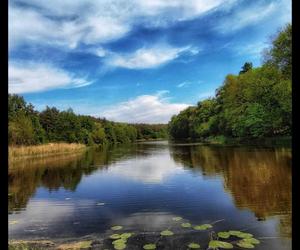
166	233
149	246
186	224
194	245
116	228
178	218
215	244
229	238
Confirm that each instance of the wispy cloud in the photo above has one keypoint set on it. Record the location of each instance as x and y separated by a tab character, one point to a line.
143	109
71	22
183	84
247	15
148	57
26	77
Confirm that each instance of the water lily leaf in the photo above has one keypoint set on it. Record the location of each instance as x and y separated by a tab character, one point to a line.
219	244
244	244
149	246
115	236
224	235
186	224
119	246
250	240
166	233
100	204
234	232
194	245
202	227
207	225
116	227
126	235
245	235
177	218
199	227
85	244
119	241
13	222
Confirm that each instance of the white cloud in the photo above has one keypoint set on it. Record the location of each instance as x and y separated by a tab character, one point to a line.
94	22
183	84
246	16
153	169
143	109
26	77
148	57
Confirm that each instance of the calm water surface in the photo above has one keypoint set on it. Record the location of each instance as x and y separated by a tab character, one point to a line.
144	186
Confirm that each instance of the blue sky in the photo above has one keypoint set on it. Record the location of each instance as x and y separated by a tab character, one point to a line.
133	60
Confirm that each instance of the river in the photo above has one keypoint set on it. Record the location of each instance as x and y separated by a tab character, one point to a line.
144	186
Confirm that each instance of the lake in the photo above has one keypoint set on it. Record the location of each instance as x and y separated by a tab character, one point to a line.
144	186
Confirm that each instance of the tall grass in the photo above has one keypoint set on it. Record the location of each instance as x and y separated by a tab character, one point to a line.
18	152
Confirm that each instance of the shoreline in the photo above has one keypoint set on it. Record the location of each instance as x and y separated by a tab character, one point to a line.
229	141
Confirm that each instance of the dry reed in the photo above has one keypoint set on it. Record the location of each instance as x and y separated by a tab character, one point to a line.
17	152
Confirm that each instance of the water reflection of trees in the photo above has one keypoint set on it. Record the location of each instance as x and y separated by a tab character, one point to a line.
64	171
258	179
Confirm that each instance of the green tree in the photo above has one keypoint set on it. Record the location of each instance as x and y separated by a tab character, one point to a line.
280	53
246	67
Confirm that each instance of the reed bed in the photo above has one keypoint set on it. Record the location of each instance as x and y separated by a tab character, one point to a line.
18	152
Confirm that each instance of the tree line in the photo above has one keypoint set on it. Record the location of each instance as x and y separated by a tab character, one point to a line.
256	103
30	127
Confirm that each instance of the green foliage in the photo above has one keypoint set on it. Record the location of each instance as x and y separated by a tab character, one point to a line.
246	67
27	126
280	53
20	131
254	104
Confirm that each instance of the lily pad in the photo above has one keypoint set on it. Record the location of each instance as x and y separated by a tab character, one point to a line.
244	244
166	233
126	235
202	227
224	235
119	241
149	246
186	224
194	245
177	218
214	244
250	240
207	225
119	246
115	236
245	235
234	232
85	244
116	227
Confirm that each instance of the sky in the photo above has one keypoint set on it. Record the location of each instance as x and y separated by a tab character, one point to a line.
137	61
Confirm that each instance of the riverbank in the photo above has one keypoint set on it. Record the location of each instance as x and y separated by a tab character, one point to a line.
222	140
49	149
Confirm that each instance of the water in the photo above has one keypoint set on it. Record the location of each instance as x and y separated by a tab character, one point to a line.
144	186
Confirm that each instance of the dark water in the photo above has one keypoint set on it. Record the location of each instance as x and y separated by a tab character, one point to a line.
144	186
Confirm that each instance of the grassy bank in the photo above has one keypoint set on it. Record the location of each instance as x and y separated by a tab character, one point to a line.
264	141
222	140
20	152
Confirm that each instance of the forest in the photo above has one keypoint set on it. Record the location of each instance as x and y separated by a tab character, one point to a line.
30	127
256	103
